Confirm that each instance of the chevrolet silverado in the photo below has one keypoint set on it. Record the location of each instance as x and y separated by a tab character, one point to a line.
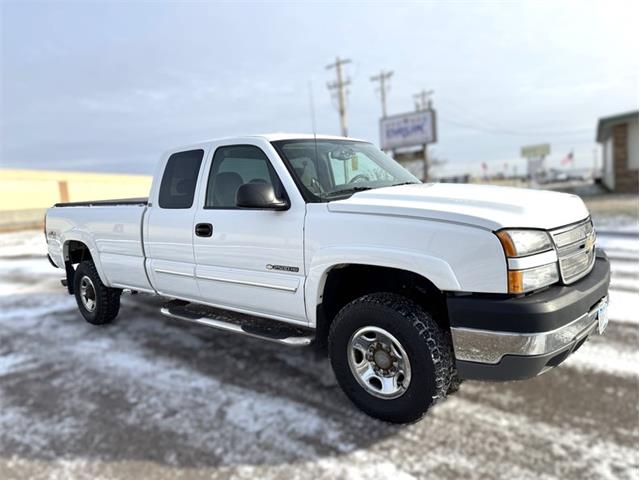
411	287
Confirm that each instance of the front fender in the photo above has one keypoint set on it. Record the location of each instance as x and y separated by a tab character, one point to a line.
434	269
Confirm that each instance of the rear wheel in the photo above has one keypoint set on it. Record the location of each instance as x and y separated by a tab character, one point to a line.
98	303
390	357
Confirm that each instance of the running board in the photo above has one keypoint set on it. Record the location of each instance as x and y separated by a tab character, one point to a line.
256	327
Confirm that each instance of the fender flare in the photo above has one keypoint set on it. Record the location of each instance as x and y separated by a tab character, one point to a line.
87	240
434	269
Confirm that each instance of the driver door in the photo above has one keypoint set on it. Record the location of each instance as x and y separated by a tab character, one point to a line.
252	261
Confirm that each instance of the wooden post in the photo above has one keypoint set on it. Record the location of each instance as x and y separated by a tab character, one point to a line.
63	188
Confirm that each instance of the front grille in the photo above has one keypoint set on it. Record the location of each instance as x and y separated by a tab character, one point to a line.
575	245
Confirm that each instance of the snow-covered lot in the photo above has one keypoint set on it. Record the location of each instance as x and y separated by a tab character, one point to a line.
149	397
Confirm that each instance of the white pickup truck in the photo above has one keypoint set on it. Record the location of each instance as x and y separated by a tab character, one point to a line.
300	239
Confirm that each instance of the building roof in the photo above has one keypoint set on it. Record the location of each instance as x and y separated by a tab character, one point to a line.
605	123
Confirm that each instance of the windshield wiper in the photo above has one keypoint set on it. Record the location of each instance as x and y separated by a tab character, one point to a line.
348	190
404	183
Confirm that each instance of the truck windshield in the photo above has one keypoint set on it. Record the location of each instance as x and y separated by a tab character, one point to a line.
333	169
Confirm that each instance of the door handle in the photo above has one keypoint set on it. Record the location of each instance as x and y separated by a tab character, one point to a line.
204	229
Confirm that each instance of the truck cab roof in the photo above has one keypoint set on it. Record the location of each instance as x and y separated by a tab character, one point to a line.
269	137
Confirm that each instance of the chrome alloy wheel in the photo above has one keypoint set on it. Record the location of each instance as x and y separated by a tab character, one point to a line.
88	294
379	363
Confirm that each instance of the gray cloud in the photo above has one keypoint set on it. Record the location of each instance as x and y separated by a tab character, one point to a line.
108	86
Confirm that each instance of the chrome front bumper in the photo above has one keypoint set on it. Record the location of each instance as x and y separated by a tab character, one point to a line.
518	337
489	347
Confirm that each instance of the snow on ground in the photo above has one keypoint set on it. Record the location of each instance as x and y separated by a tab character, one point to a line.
22	244
624	224
624	307
150	397
611	359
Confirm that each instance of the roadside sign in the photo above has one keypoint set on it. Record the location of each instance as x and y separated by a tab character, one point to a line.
535	151
535	167
408	129
535	155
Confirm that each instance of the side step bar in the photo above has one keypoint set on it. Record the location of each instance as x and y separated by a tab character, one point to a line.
242	324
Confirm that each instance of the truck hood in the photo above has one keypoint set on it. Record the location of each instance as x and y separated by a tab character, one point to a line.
485	206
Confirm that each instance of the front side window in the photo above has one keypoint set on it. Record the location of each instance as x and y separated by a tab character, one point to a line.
332	169
234	166
179	179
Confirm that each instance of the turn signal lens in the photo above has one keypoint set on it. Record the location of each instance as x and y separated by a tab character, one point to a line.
521	281
515	281
507	244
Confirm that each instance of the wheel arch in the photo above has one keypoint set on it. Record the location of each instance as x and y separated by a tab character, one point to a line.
332	285
76	249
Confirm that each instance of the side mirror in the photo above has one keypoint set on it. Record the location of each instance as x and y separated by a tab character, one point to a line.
259	196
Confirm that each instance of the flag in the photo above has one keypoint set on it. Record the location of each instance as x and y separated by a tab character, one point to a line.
568	160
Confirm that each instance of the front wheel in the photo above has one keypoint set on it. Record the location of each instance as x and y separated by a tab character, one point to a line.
98	303
390	357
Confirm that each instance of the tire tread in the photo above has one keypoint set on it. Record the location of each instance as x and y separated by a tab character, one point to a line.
107	299
436	342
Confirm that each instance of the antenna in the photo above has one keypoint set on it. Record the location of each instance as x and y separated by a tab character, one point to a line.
315	146
312	110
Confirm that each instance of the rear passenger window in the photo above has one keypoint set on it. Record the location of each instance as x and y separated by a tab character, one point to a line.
179	179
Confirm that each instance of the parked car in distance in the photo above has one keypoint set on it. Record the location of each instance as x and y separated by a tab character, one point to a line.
299	239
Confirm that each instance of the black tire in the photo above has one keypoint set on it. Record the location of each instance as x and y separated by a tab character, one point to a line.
106	300
456	379
427	347
456	382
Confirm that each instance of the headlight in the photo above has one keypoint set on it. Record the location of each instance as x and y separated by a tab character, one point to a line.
519	243
521	281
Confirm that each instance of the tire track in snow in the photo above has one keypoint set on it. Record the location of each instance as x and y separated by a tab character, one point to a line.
149	397
187	395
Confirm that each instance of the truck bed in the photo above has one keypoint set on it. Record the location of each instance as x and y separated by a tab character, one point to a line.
106	203
113	228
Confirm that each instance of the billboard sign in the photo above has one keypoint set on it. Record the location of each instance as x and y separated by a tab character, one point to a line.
408	130
535	151
535	167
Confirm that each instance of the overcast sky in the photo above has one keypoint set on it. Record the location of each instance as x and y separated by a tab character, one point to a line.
109	86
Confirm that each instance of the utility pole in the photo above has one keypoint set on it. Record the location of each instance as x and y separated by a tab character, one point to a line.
382	79
423	99
423	102
340	86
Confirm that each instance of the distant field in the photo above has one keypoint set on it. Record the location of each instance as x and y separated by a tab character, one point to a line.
26	194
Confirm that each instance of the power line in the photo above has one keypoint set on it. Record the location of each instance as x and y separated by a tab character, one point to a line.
474	119
382	79
501	131
340	87
468	115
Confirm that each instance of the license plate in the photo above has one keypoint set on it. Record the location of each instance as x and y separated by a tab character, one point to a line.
603	316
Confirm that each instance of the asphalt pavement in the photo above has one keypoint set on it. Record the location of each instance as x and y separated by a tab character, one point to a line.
151	397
